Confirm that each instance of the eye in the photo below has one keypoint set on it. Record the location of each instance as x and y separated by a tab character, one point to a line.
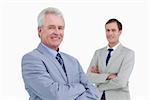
107	30
51	27
61	28
113	30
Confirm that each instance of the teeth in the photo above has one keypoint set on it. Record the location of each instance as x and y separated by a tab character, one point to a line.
54	38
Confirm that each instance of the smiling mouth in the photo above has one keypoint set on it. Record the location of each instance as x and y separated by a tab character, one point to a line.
111	37
55	37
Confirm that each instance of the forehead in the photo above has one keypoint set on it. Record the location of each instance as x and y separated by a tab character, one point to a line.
111	25
53	19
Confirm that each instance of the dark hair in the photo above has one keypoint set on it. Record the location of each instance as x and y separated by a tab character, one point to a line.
115	20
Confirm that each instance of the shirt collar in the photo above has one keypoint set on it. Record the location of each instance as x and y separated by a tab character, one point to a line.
114	48
50	51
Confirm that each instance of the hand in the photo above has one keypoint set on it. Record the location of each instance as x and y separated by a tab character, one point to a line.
112	76
94	69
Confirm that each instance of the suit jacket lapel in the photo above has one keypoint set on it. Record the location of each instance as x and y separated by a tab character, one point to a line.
58	67
104	56
114	56
66	64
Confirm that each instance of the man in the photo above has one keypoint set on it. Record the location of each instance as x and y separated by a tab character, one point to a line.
112	65
50	74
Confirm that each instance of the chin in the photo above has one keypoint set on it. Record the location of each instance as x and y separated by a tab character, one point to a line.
111	42
56	45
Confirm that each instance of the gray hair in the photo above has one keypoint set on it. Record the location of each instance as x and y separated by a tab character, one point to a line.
49	10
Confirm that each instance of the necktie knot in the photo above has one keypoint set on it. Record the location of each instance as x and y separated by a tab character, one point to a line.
110	49
58	55
59	58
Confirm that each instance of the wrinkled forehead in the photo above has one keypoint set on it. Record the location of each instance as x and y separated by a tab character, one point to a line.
53	19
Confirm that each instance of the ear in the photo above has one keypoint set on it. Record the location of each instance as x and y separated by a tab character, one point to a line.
39	31
120	32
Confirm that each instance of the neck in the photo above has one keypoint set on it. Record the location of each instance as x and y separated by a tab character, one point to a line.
111	45
56	49
52	47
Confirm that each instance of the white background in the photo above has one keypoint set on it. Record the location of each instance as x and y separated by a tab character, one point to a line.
84	33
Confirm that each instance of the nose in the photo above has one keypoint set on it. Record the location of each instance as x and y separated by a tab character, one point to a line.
110	32
56	31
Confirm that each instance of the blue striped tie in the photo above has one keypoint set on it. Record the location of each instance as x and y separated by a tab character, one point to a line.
61	62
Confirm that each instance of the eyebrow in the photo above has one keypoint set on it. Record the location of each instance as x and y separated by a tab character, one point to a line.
111	29
55	25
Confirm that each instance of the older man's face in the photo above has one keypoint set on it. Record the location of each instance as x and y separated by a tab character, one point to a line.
52	32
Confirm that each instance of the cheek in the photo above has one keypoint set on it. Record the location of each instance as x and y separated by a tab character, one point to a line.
107	35
62	35
117	36
45	37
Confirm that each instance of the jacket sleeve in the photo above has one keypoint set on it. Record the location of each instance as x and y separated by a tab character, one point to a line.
123	75
94	77
38	80
91	93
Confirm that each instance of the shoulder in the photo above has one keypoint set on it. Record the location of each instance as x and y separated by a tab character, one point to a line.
101	50
34	54
127	50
